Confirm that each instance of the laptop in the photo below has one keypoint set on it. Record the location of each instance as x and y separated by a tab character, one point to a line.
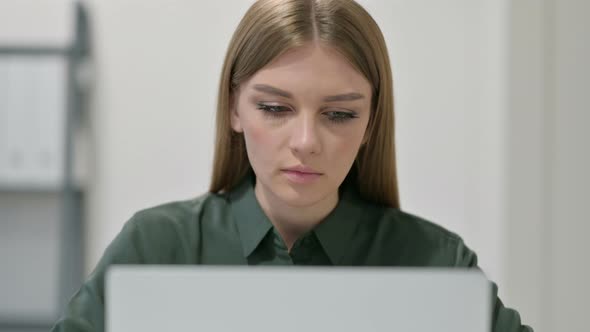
293	299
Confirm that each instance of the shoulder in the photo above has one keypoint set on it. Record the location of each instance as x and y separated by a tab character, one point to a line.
408	239
415	226
180	214
169	232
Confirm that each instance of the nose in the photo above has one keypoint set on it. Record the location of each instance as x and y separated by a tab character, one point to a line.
304	136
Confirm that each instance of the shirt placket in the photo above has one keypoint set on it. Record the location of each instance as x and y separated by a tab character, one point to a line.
302	251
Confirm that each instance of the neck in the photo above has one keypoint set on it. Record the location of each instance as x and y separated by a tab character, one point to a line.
291	222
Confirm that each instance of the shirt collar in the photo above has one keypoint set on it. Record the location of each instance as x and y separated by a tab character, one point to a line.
334	232
252	223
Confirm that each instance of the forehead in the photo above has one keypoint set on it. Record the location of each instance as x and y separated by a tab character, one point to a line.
312	69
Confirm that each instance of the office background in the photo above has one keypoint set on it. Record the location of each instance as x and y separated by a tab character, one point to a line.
491	115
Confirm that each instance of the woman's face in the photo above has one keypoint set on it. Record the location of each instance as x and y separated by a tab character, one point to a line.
303	117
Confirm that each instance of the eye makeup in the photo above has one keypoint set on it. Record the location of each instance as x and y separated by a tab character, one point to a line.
273	109
339	116
277	111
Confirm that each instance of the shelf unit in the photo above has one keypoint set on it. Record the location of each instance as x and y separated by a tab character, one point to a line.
41	214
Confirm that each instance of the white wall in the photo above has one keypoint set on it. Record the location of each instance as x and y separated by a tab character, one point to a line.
490	127
525	234
547	264
568	121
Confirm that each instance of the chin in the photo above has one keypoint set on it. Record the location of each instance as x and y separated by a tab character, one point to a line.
299	200
303	197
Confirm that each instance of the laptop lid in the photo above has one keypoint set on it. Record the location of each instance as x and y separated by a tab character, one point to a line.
293	299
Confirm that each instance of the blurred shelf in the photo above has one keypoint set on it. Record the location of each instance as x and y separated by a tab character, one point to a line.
37	188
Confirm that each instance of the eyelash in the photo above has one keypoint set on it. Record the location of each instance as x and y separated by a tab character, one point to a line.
279	111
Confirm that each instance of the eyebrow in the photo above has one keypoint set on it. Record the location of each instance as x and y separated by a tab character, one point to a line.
278	92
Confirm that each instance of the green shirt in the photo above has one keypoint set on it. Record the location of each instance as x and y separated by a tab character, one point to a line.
231	229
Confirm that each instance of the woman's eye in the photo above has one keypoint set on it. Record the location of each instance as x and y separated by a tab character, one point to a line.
337	116
272	110
280	111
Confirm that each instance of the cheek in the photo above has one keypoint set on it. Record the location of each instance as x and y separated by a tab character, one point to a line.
260	143
346	146
258	135
345	151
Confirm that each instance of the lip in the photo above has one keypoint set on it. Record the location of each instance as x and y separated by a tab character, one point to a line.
302	169
301	174
300	177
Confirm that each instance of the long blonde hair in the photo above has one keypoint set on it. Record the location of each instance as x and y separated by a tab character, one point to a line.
270	28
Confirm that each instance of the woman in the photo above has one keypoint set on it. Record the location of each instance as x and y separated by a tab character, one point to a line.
304	167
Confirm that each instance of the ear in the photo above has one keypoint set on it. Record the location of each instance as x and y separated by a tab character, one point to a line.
234	117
